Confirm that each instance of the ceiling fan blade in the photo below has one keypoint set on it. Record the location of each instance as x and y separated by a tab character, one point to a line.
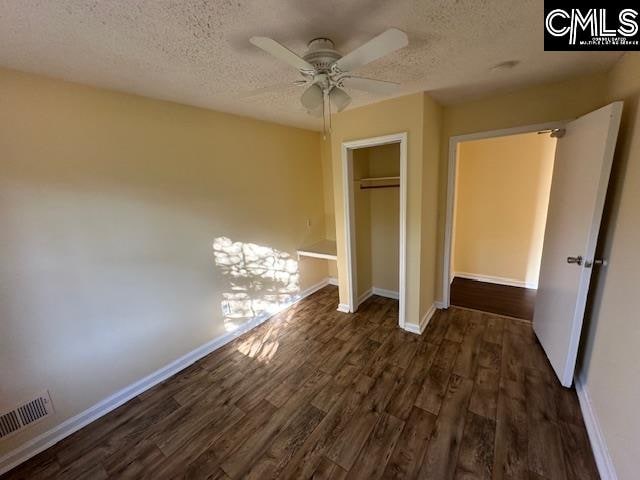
281	52
312	98
385	43
339	98
370	85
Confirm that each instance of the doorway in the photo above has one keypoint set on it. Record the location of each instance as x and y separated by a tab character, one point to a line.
375	196
498	195
581	169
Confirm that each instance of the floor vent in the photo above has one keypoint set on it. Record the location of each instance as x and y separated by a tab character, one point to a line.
25	414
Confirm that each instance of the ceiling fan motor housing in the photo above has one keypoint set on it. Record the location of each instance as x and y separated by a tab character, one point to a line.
322	54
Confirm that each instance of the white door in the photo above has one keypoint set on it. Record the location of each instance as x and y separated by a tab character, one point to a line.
578	189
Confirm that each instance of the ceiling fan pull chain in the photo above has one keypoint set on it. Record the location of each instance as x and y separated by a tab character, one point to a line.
324	114
329	110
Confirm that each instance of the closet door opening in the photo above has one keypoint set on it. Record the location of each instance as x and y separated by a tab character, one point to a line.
375	220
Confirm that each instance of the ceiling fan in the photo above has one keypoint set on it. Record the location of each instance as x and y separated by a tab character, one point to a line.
327	73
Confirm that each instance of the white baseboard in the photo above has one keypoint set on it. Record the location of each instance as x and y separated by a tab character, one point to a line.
332	281
596	436
377	291
75	423
412	327
498	280
343	307
424	321
438	304
383	292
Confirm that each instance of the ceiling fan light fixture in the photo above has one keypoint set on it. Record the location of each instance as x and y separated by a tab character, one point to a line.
312	98
339	98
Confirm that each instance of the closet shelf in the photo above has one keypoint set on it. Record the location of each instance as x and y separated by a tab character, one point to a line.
379	182
323	249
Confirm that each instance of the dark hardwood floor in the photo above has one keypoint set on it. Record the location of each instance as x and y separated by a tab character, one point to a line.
489	297
318	393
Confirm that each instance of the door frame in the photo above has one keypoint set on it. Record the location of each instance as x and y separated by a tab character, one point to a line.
454	142
349	217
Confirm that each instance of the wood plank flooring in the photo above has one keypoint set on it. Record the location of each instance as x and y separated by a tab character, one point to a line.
514	302
314	393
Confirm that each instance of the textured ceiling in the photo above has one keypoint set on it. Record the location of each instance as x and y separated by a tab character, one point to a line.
197	52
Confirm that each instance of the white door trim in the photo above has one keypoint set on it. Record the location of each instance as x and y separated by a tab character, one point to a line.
349	216
451	185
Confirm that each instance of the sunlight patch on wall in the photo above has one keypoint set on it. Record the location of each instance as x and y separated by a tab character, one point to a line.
262	280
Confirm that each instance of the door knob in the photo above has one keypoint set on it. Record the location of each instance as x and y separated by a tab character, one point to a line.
577	260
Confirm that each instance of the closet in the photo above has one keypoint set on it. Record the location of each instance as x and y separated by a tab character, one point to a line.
376	176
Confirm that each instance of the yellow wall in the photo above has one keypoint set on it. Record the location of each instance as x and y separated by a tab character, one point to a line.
115	212
431	150
502	196
362	212
327	190
404	114
421	117
327	193
540	104
122	220
610	363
